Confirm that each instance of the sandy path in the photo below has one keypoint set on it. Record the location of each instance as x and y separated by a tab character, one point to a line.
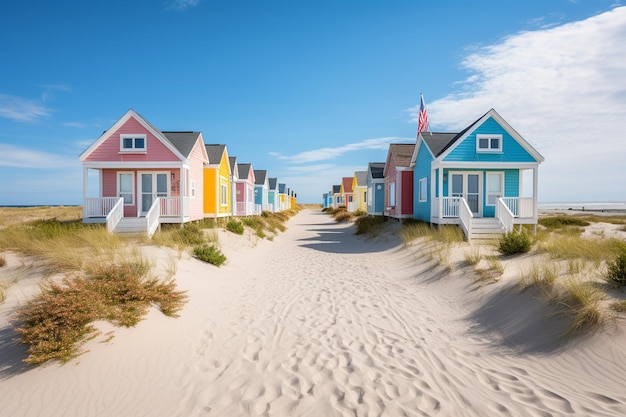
320	322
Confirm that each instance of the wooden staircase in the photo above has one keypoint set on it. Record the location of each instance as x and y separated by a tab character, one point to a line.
485	229
132	225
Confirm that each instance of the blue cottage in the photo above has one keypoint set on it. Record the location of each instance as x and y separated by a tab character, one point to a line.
484	178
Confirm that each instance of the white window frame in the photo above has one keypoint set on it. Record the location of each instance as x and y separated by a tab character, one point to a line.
488	193
192	189
489	148
423	190
224	195
134	138
132	186
392	194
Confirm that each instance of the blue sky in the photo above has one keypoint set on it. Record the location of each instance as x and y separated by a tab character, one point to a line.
312	90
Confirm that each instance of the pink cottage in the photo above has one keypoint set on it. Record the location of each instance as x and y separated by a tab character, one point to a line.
145	176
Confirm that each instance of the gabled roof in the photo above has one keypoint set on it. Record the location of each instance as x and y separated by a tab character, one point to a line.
148	126
336	189
439	142
402	153
183	141
215	152
281	188
376	169
244	170
361	178
232	161
273	182
259	176
347	184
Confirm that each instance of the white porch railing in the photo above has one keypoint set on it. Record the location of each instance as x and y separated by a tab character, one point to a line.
505	215
522	207
99	206
152	216
171	207
451	206
115	215
465	215
244	209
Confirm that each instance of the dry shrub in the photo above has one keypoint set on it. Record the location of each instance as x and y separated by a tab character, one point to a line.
369	225
57	322
582	301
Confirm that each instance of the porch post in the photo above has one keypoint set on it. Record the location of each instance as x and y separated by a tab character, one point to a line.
183	192
535	191
85	190
440	189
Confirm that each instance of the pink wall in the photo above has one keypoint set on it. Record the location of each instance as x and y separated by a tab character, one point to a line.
109	150
196	173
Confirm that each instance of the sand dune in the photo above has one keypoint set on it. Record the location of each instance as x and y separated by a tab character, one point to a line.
320	322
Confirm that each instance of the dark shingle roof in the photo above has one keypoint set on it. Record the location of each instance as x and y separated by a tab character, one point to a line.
232	161
183	141
361	178
439	142
402	153
215	152
336	189
273	183
244	170
376	169
281	188
259	176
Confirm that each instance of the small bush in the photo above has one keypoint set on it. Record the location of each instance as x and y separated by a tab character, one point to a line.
342	216
368	224
190	234
3	260
235	226
559	222
616	269
582	301
472	256
515	242
57	322
360	213
210	254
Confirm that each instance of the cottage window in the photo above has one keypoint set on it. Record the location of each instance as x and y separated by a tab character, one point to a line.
495	187
192	191
488	143
223	194
392	194
423	189
125	187
132	143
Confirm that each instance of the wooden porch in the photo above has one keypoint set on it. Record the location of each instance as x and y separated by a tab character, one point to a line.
510	211
110	211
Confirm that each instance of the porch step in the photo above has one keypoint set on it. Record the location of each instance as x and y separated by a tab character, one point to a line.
486	229
132	225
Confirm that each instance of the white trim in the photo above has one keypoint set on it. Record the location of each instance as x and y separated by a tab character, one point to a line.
489	149
133	137
481	195
422	197
140	209
132	114
135	165
192	189
516	136
483	165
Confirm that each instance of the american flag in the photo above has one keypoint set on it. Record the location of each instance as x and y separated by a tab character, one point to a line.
422	121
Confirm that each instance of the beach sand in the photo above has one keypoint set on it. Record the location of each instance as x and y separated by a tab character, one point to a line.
320	322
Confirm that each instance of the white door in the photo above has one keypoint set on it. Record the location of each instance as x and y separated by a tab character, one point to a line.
468	186
151	186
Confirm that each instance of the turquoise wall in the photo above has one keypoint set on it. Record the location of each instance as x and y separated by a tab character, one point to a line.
421	210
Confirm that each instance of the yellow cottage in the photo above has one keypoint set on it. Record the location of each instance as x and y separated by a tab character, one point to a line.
217	200
359	187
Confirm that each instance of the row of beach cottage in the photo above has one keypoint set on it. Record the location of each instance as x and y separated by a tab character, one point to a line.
483	178
143	177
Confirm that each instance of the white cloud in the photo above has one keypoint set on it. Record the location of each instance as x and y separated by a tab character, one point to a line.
564	90
22	109
182	4
49	91
18	157
323	154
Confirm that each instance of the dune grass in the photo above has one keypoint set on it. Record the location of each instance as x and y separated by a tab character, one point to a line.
10	216
582	302
369	225
413	229
57	322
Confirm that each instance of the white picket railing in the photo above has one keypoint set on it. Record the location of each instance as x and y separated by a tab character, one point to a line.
465	214
505	214
115	215
99	206
153	215
451	206
522	207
